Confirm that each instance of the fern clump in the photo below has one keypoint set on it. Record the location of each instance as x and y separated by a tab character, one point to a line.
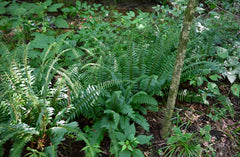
30	114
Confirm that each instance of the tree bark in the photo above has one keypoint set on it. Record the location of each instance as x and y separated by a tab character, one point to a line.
183	41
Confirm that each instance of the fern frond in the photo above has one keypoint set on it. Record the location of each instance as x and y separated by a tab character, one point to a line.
7	133
143	98
97	135
51	151
160	58
189	96
166	69
20	80
131	69
151	84
62	129
195	68
197	64
19	145
83	102
47	77
20	134
59	131
141	59
6	57
140	120
4	110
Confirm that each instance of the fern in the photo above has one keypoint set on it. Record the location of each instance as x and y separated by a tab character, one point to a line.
160	56
195	66
59	132
20	133
140	120
143	98
28	112
189	96
83	102
141	69
19	144
131	70
151	84
4	109
96	136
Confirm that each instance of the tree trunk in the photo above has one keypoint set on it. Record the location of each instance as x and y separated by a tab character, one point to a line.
184	37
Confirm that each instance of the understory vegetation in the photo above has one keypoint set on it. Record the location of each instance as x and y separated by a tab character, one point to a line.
91	74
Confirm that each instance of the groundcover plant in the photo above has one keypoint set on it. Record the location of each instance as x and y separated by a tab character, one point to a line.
78	77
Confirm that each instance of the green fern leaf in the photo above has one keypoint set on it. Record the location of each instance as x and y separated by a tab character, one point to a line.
4	110
140	120
20	134
126	109
143	98
51	151
96	136
19	145
84	100
189	96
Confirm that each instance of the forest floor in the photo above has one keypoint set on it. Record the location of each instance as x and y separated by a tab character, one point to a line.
190	116
195	115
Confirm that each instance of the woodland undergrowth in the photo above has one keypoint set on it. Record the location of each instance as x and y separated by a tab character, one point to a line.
61	63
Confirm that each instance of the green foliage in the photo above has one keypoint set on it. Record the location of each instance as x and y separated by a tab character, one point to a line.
35	153
181	144
189	96
230	6
27	17
206	137
205	132
109	68
116	111
212	90
128	142
131	73
235	136
216	58
235	89
29	114
230	66
217	113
